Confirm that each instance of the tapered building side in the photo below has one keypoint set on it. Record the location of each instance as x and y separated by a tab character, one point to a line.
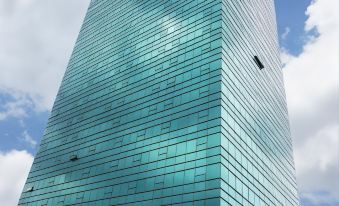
169	102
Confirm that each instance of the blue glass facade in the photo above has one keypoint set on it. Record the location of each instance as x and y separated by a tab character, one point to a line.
163	104
257	157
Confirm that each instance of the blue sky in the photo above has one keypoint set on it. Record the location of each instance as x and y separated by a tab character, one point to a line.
291	18
12	128
25	99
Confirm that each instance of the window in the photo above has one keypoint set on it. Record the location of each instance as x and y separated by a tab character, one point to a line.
258	62
73	157
30	189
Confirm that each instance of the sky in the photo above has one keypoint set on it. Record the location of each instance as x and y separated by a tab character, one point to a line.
36	41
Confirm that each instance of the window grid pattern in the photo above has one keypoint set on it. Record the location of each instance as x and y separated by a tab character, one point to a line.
162	104
257	163
137	117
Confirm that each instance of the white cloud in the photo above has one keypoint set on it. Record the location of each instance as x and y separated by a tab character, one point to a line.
311	81
317	166
26	137
286	33
35	46
14	168
16	107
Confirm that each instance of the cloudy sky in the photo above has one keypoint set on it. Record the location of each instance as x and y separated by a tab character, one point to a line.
36	40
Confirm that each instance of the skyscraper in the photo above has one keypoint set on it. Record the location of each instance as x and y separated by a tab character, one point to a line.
169	102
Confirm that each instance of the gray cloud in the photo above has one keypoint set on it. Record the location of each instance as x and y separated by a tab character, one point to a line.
312	92
36	43
325	113
14	168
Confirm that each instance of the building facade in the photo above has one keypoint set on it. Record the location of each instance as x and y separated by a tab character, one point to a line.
169	102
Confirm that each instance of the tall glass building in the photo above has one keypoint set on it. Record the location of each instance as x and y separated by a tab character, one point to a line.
169	102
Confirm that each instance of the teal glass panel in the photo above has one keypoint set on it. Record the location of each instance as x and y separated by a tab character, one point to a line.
163	104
